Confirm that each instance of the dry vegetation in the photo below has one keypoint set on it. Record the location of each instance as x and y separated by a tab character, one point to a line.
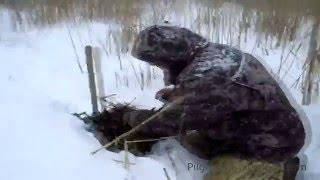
277	23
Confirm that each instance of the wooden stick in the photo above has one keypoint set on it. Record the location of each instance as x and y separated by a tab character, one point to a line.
126	156
118	161
75	51
92	82
99	75
166	173
151	140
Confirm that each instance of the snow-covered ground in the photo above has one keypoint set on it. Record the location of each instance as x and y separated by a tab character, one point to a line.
41	86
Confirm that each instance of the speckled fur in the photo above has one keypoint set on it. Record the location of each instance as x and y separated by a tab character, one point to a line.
229	97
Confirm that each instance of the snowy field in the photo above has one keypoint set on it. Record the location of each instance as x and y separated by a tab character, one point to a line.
41	86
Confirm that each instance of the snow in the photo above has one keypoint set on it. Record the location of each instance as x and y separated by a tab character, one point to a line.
183	165
41	86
